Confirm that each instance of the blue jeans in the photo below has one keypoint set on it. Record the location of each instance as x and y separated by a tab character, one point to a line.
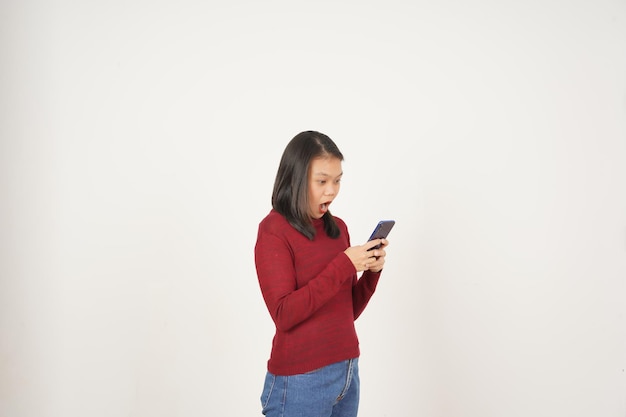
329	391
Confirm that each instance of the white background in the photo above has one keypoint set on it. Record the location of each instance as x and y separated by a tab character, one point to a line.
139	143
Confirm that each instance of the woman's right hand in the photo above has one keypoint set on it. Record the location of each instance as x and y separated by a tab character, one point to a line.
363	258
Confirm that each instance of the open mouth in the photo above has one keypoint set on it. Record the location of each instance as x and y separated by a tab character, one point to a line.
324	207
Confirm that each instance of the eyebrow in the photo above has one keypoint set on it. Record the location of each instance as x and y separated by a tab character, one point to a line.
323	174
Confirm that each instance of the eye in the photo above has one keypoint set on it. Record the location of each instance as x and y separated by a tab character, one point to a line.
322	182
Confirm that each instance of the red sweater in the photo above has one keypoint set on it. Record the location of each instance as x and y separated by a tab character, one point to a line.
312	292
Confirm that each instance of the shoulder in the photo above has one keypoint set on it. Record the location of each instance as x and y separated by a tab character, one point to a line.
274	223
276	234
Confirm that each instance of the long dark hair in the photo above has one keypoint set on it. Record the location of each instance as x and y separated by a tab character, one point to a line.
291	188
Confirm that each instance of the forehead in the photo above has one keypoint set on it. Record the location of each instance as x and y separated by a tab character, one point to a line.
326	166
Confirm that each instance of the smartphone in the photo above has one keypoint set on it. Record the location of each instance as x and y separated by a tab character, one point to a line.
381	231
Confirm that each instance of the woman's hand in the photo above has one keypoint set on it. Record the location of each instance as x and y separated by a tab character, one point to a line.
364	259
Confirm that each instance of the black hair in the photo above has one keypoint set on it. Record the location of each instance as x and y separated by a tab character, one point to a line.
291	187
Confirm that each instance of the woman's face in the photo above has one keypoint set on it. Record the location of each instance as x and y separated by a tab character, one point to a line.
324	181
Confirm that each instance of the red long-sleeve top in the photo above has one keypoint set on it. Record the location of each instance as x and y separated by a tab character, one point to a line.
313	294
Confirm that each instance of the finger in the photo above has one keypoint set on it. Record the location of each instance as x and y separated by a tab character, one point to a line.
372	243
376	266
379	258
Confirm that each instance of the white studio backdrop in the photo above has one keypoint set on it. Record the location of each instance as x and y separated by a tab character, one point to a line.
139	143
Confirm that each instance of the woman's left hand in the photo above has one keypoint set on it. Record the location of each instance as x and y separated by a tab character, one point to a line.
378	257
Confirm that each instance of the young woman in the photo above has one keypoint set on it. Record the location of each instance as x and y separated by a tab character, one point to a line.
307	272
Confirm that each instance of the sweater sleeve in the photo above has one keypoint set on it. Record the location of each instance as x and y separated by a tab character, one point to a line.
287	304
363	290
364	287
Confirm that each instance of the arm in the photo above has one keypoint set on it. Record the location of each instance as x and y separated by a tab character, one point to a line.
363	290
287	304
